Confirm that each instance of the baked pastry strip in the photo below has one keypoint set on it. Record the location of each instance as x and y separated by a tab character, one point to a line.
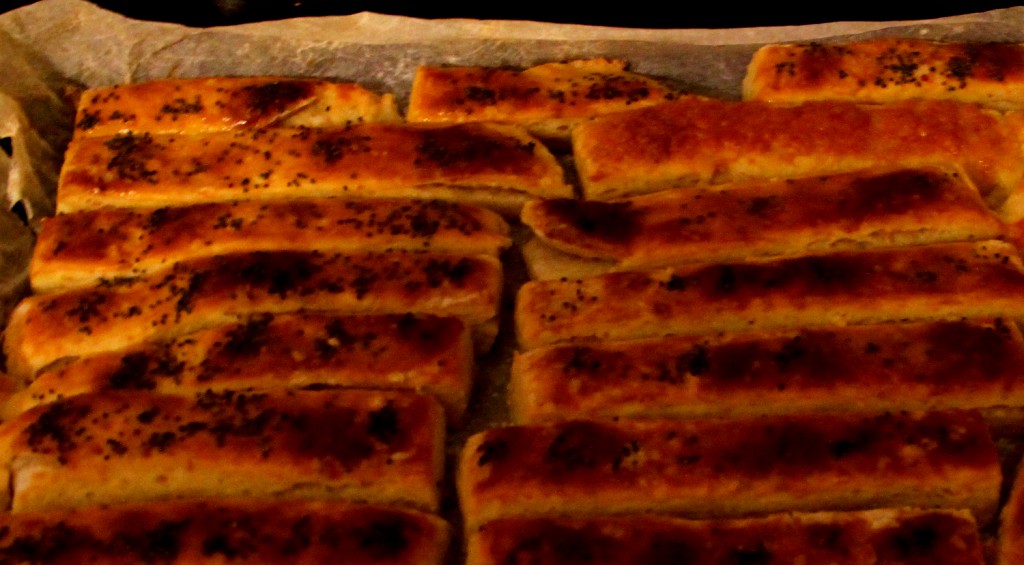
206	292
765	219
936	282
497	166
197	105
699	142
930	366
83	248
871	537
257	532
888	70
427	354
113	448
547	99
731	468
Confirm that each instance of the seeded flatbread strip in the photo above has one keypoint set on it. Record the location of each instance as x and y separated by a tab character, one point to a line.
731	468
937	537
893	367
257	532
497	166
888	70
82	248
224	103
113	448
547	99
936	282
428	354
764	219
700	142
206	292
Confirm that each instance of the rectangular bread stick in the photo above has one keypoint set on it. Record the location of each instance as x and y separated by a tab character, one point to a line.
223	289
831	370
196	105
547	99
115	448
888	70
871	537
760	220
427	354
731	468
497	166
83	248
256	532
700	142
936	282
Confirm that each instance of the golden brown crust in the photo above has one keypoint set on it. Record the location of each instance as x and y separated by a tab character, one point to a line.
423	353
888	70
547	99
500	166
381	447
725	468
82	248
212	291
873	537
255	532
767	219
949	281
703	141
224	103
870	368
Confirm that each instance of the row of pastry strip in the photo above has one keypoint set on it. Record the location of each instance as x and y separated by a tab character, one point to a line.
806	419
678	142
145	273
299	477
884	71
135	405
571	449
793	400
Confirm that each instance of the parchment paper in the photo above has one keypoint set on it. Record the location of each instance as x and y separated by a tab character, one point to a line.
53	48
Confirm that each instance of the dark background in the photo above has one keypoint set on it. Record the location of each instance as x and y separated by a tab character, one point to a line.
633	13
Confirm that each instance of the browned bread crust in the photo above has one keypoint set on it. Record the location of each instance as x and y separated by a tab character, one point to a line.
726	468
873	537
82	248
547	99
1011	526
427	354
257	532
949	281
695	141
212	291
498	166
765	219
888	70
223	103
381	447
831	370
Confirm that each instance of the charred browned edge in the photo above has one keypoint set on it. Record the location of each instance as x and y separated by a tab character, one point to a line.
164	532
935	536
